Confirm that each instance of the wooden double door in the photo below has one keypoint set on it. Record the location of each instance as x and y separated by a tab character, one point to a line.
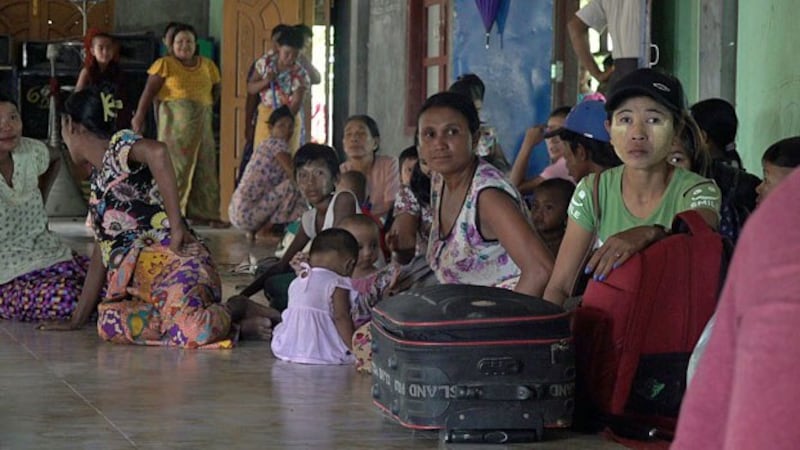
51	20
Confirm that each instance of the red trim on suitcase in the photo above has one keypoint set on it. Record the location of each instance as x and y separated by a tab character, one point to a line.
471	343
406	424
473	321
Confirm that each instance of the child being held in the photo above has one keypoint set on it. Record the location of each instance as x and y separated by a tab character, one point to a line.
355	182
549	211
408	159
370	283
316	327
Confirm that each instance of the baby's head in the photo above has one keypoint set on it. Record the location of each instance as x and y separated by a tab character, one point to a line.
334	249
368	236
550	201
408	159
355	182
780	159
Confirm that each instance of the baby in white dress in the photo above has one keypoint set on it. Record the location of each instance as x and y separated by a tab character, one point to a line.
317	327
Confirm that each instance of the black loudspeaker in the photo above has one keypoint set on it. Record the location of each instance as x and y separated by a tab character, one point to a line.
34	100
137	51
34	56
5	50
8	82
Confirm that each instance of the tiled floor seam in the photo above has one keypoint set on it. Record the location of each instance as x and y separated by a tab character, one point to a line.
75	391
100	413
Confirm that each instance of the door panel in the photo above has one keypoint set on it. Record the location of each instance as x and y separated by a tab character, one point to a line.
15	18
44	20
246	29
60	19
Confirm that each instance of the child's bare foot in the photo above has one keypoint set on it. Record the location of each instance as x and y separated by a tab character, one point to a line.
256	328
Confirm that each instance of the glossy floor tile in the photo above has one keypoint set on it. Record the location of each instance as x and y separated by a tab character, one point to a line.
72	391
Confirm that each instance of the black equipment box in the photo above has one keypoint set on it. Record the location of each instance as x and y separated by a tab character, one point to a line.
480	363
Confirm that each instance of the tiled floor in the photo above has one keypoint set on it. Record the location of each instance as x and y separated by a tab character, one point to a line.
71	391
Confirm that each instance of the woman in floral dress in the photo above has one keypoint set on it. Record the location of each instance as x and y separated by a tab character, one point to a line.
162	287
267	194
481	232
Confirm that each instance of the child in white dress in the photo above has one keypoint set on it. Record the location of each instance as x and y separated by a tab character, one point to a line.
316	327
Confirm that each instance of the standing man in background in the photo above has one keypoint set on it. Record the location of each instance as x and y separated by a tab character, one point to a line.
623	18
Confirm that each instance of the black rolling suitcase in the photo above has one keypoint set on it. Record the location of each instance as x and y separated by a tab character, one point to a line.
480	363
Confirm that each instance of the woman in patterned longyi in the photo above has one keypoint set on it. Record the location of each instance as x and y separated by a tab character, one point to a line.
40	277
162	287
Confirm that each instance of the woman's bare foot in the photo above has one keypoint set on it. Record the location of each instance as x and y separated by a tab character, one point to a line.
256	328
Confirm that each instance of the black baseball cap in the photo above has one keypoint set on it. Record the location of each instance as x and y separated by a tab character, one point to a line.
661	87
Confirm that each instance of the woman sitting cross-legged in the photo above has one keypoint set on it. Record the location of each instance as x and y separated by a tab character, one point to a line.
40	277
162	287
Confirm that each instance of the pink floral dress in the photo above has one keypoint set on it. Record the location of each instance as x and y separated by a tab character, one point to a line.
463	256
287	82
406	203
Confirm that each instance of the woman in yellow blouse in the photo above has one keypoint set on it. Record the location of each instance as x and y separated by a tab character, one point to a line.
186	86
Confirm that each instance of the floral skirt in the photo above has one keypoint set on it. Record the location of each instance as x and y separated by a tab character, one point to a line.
255	203
156	297
45	294
362	348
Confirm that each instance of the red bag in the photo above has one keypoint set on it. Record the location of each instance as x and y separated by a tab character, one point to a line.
635	331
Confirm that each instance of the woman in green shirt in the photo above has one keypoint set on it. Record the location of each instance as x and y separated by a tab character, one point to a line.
639	199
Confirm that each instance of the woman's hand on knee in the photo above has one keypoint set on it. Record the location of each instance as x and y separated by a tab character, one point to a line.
183	243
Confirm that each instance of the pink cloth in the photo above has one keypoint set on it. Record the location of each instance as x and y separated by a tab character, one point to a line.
557	170
745	392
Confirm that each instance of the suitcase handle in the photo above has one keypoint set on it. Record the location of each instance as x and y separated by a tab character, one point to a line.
501	392
512	392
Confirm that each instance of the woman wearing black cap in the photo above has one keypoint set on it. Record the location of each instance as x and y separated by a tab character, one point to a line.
639	198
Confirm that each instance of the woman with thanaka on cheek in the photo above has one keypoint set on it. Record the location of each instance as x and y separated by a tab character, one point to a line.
481	232
640	198
316	171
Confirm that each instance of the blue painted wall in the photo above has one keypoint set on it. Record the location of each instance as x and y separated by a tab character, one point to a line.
515	67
